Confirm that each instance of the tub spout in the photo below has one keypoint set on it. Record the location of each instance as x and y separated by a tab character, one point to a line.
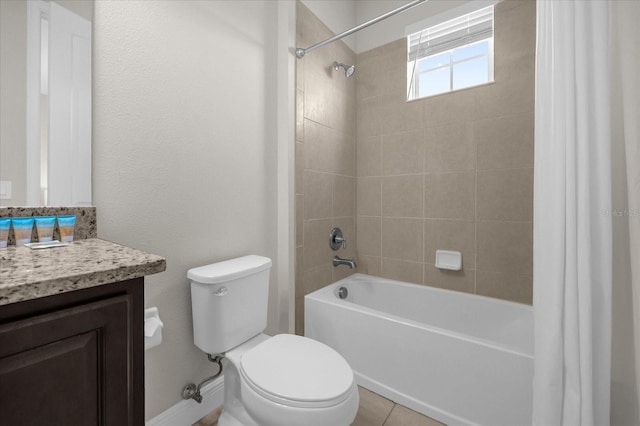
340	261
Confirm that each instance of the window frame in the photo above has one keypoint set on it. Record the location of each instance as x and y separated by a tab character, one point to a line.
413	66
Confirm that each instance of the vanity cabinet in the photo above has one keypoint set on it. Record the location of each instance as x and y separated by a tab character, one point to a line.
76	358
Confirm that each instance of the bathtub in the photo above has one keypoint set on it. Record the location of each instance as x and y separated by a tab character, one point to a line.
461	359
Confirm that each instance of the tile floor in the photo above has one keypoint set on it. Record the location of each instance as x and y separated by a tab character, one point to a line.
374	410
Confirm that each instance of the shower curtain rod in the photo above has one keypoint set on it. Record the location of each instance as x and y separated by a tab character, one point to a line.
300	52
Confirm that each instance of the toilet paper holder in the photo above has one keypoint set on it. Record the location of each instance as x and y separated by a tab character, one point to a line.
152	328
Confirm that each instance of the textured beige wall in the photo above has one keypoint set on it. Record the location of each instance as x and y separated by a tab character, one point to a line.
184	161
453	171
325	159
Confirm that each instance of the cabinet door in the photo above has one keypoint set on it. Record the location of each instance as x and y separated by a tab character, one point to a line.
67	367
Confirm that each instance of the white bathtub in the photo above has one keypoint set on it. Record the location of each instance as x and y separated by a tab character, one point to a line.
461	359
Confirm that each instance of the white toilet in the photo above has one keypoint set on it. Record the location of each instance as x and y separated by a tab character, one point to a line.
285	380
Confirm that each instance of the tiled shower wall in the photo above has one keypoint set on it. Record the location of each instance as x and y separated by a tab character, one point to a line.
453	171
325	159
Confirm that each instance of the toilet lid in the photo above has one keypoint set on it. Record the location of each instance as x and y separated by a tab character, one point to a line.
299	370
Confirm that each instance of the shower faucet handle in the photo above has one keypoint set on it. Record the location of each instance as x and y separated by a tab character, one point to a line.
336	239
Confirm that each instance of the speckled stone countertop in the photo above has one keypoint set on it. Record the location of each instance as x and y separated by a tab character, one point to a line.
28	274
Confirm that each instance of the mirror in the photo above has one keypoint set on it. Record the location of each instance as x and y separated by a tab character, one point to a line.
45	111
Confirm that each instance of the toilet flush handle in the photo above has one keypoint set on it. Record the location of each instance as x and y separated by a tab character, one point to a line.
220	292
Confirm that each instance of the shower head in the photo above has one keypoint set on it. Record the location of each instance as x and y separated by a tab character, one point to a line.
349	70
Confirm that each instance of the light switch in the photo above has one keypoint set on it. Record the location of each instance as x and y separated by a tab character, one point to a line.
5	189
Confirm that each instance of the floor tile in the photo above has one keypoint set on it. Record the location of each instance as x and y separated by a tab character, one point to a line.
402	416
210	419
374	409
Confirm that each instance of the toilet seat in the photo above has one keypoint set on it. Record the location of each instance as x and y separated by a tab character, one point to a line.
296	371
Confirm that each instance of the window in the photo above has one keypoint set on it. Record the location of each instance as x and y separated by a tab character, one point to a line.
450	56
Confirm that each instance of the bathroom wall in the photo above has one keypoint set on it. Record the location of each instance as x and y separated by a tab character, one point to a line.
453	171
325	159
185	155
13	102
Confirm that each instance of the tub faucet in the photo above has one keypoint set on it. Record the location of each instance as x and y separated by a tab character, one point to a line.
340	261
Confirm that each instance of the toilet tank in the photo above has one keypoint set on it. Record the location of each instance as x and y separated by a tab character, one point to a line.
229	302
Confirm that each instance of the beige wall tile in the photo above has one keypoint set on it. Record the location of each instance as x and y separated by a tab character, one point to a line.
382	70
299	115
505	97
299	213
369	241
318	188
369	196
519	69
402	239
398	115
451	108
445	136
343	271
402	153
451	280
369	114
449	195
325	157
344	155
402	270
370	265
505	247
450	148
299	315
402	196
369	156
319	147
344	116
508	4
317	278
299	168
506	142
344	196
316	249
505	194
516	288
317	92
300	75
455	235
517	35
299	267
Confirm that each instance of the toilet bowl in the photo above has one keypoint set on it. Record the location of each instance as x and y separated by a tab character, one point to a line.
288	380
284	380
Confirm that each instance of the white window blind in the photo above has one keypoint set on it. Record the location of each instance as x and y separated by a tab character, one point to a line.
467	29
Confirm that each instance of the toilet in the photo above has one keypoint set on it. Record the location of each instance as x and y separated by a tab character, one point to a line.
284	380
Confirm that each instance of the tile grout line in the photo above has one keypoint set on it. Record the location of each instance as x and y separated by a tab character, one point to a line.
389	415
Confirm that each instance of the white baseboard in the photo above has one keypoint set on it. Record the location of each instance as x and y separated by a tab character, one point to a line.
187	412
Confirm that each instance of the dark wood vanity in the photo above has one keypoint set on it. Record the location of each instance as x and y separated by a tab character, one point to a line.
72	334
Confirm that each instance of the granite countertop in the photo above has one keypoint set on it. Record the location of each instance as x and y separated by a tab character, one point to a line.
29	274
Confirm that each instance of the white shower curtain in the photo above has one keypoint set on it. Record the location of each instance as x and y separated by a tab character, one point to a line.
573	212
572	236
